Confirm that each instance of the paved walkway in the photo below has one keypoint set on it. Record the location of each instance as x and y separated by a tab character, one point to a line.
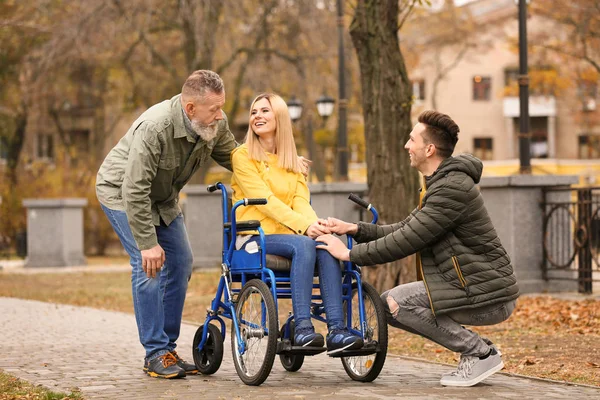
62	347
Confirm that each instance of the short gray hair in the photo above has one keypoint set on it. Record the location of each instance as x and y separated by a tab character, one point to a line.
202	81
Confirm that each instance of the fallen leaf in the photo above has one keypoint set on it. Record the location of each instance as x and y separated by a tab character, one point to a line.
574	317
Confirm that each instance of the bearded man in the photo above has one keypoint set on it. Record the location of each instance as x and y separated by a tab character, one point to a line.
138	188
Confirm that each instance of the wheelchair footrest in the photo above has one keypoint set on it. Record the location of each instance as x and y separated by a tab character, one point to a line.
367	349
285	347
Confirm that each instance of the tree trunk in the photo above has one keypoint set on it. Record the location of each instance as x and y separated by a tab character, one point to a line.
386	100
15	145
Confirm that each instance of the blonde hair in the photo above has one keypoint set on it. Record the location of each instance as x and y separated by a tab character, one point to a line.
284	137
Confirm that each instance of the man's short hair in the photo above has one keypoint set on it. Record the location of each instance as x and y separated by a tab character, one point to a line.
440	130
202	81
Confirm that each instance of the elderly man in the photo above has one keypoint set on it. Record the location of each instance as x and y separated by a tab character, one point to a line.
138	188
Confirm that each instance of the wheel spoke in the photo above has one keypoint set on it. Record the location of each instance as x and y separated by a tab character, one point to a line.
254	321
367	367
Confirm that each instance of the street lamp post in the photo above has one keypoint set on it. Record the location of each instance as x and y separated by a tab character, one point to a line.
325	106
524	127
342	145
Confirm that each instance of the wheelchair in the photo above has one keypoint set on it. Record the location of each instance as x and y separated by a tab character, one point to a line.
250	286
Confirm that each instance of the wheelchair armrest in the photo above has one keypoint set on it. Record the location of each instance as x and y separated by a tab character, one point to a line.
244	225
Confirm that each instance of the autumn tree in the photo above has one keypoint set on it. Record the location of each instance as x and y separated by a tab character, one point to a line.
578	29
22	31
386	101
441	37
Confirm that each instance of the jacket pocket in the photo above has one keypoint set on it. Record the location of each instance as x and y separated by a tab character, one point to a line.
168	163
461	277
165	176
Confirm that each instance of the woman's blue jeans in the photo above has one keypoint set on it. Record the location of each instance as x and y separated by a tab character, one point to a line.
158	302
305	256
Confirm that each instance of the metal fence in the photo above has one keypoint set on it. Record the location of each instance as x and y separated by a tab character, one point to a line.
572	235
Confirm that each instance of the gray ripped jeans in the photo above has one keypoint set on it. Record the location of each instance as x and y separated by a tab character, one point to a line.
414	315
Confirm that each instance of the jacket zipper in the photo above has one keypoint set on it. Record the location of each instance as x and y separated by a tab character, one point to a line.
461	277
427	290
422	191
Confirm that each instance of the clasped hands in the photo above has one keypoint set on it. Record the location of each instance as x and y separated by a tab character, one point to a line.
322	230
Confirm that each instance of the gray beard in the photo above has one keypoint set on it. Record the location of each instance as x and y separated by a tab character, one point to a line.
206	132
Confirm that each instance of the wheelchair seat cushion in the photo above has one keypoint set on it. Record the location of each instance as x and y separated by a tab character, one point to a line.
244	225
278	263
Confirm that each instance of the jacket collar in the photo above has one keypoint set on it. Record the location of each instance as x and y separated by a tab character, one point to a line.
179	128
465	163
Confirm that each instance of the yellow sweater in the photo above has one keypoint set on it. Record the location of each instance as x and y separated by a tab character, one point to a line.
288	210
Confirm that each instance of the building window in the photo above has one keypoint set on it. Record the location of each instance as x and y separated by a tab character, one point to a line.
418	89
482	88
45	147
589	146
588	92
483	148
80	140
3	150
511	76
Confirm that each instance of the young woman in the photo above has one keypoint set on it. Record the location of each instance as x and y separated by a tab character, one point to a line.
267	166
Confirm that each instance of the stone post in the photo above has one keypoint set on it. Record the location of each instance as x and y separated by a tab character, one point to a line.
55	232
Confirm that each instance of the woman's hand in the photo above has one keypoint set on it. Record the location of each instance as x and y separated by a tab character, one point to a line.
317	228
334	246
341	227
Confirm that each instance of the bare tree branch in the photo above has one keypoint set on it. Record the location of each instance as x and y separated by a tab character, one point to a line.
142	35
25	25
407	13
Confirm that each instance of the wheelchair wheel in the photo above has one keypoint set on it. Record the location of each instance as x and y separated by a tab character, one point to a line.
257	321
365	368
291	362
209	359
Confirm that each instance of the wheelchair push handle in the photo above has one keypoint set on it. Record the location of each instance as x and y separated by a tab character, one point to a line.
254	202
214	188
359	201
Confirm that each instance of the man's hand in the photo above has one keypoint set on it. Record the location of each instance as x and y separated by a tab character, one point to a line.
304	165
334	246
317	228
153	260
340	227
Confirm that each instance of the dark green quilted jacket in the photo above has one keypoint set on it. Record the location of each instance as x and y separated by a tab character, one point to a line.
464	263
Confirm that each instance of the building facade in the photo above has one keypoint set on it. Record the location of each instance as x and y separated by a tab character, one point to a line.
472	76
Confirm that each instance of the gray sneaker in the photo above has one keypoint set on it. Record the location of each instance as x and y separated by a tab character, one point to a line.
492	345
472	370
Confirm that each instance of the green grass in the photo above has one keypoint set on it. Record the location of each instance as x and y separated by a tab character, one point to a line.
12	388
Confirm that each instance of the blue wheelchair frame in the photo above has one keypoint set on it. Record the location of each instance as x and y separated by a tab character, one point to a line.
238	266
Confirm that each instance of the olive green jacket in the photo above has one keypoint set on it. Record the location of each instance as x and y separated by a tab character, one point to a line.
144	173
464	265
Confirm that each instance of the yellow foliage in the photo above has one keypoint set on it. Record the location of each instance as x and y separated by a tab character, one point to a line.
324	137
59	180
542	82
589	75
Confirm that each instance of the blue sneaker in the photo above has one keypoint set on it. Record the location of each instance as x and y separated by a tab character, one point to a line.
307	337
341	339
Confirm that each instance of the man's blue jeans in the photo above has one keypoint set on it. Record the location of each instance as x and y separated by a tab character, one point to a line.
305	256
158	302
